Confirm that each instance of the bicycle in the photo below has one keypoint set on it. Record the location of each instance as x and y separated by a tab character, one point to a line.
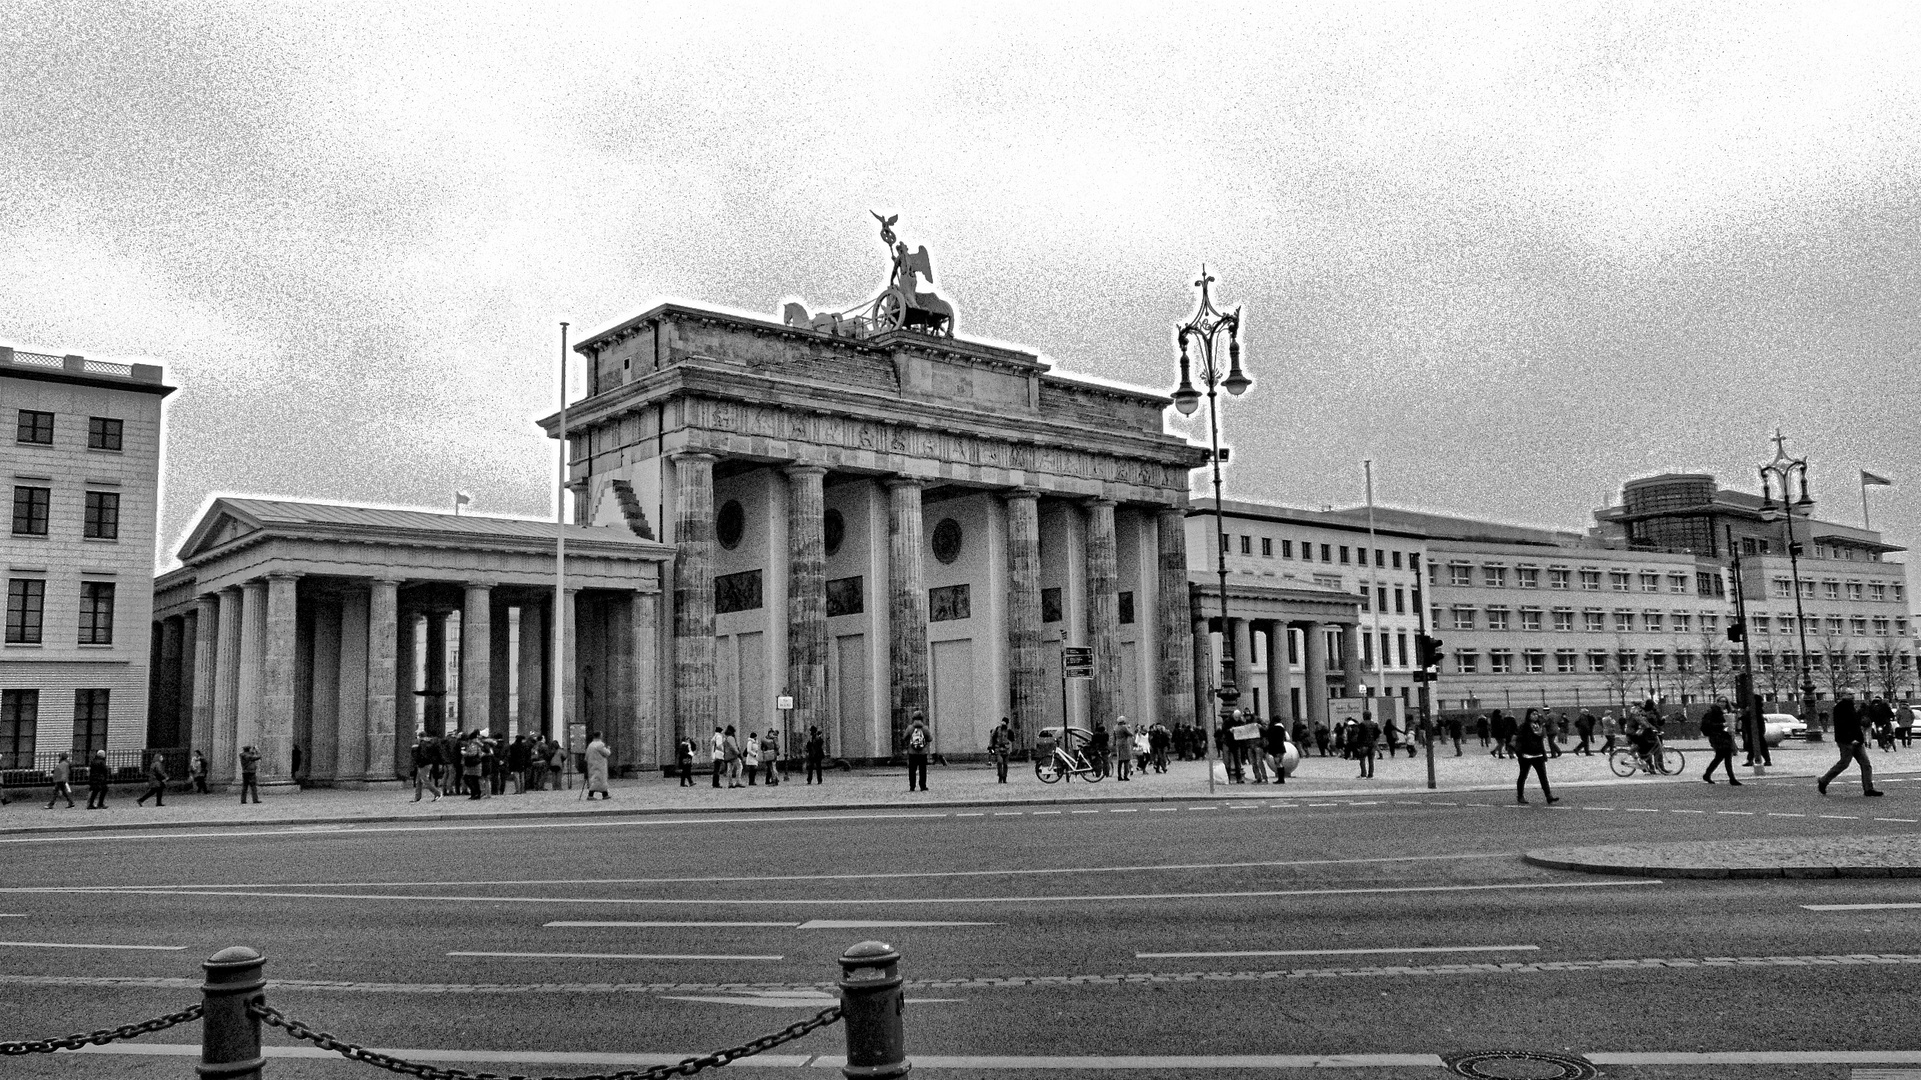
1064	764
1667	761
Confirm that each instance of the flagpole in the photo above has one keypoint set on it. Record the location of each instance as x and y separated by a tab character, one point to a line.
560	733
1864	503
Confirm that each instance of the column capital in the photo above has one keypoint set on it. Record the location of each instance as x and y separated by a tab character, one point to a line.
804	468
207	597
1021	493
1098	500
898	481
283	575
230	590
395	582
486	585
692	455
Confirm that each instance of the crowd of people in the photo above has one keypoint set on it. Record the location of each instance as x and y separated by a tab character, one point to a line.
480	764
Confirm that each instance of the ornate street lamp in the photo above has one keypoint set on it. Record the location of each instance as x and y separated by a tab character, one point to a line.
1199	341
1782	473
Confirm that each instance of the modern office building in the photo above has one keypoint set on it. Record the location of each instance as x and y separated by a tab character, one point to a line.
83	451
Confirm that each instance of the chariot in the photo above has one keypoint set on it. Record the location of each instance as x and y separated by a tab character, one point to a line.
900	306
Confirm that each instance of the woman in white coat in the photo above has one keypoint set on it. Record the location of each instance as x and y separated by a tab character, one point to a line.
597	758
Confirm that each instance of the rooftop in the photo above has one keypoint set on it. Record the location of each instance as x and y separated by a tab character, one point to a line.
79	369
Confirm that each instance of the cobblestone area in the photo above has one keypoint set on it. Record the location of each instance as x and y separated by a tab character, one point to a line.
1855	856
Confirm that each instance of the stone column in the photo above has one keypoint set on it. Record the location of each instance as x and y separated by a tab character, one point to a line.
323	751
386	677
1243	663
1314	673
435	683
206	627
172	644
1103	613
694	690
806	600
253	660
1201	705
1353	672
532	670
907	608
1176	617
570	673
354	679
643	747
476	656
223	745
500	659
277	659
1027	665
1281	705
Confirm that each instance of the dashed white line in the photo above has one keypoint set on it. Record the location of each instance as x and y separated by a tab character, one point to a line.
618	922
1903	820
1045	813
1858	907
75	945
1687	811
1335	952
1840	817
974	814
1010	813
1163	809
1083	811
1736	813
1603	809
1772	813
609	956
1123	811
1641	810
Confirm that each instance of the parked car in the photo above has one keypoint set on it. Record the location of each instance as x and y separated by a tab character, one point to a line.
1781	726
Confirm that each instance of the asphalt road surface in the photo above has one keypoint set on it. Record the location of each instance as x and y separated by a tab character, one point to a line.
1388	926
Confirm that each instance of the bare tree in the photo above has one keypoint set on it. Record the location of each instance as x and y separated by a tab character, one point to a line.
1619	678
1837	667
1781	677
1710	677
1892	673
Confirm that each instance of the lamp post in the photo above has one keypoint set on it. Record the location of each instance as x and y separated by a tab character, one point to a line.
1199	341
1782	472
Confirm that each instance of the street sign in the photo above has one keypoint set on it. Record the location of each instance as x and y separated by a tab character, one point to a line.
784	701
1077	662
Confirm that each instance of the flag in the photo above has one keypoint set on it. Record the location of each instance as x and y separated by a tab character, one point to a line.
1868	479
461	499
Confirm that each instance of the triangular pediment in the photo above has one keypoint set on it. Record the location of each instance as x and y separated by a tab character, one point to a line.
219	526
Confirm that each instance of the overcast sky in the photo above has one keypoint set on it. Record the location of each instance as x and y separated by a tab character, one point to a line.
1515	253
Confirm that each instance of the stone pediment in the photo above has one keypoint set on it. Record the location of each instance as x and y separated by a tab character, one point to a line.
220	526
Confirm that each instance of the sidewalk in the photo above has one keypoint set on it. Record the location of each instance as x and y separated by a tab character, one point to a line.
1849	857
885	788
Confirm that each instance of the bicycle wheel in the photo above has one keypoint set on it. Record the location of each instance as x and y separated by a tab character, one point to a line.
1088	772
1672	761
1048	770
1622	762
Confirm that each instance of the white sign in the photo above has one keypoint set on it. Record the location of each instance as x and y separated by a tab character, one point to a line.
784	701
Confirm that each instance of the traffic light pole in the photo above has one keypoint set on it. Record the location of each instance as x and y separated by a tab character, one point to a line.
1423	677
1744	686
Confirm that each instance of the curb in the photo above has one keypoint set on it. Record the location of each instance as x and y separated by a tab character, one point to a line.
1551	863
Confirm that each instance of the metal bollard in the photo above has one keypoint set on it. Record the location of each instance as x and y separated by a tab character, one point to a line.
871	1000
229	1034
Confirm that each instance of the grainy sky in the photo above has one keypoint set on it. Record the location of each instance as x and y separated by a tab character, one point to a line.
1514	253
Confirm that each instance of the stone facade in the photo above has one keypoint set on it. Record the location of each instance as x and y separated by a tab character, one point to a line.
886	527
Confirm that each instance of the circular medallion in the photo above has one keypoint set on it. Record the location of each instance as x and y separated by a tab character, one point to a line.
1521	1065
947	540
833	530
729	524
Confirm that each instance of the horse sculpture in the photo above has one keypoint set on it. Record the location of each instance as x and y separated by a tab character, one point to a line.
900	306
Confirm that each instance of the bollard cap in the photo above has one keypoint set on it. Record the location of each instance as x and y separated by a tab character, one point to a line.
235	954
876	957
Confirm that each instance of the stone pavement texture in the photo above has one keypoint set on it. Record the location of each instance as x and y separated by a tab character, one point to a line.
1824	857
884	788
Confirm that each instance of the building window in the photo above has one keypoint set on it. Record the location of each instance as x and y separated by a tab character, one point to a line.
103	516
1500	662
1590	581
949	603
1854	591
1880	628
1628	659
1400	648
1530	618
1267	547
1597	662
1287	549
1494	577
1467	663
946	540
1858	627
1834	625
1397	560
1877	592
1126	604
1564	620
1360	556
833	529
1533	662
1807	590
35	427
19	724
1400	601
103	433
1247	545
737	592
1380	592
1557	577
89	722
730	524
1677	583
26	606
30	509
1787	623
96	612
1657	660
1831	590
1463	618
1527	577
1683	622
1497	618
1564	662
1651	622
1783	589
1460	576
1226	545
1619	580
1050	605
1624	622
1327	553
1344	554
845	596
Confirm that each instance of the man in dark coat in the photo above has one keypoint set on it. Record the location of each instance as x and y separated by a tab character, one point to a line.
1714	727
99	775
1848	739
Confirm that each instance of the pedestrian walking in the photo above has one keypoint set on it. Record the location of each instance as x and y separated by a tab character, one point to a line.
1848	739
917	741
717	750
1714	728
684	760
421	758
537	763
1000	743
1483	729
249	774
1881	716
1456	732
1366	732
1097	746
598	759
1530	748
1321	737
1503	727
518	761
1584	727
1904	724
730	751
1124	750
156	782
197	771
63	782
471	752
99	775
1609	729
816	753
770	757
1275	744
750	756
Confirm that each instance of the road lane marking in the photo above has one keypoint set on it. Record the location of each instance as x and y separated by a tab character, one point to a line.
610	956
1687	811
74	945
1010	813
1903	820
1163	809
1336	952
1044	813
1641	810
879	924
1123	811
924	901
1858	907
974	814
616	922
1083	811
1736	813
1771	813
148	889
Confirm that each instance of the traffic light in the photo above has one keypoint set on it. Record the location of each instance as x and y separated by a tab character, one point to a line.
1427	651
1737	630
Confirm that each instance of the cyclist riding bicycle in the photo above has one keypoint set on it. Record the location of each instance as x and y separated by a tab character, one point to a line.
1646	740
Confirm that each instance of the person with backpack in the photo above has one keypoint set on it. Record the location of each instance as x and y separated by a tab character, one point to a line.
917	741
1000	743
1714	728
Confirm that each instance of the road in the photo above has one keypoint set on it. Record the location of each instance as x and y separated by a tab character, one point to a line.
1391	925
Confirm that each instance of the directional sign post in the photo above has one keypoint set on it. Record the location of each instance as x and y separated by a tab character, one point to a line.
1077	662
